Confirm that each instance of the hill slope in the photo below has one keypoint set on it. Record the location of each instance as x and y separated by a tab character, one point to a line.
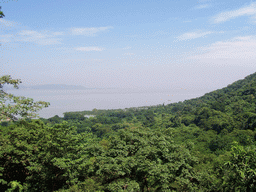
233	107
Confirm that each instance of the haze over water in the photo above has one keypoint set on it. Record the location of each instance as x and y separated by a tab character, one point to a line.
117	98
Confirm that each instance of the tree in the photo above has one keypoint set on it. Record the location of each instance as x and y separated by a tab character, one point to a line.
1	14
25	107
140	159
42	158
240	174
73	116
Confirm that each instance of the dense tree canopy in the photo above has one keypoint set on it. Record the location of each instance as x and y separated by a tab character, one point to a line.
240	171
140	159
41	157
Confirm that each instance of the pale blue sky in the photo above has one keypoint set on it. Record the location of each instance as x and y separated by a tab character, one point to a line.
129	44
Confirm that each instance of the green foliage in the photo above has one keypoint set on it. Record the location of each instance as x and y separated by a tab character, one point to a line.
210	119
1	13
240	174
145	158
41	157
89	185
73	116
15	186
124	185
55	119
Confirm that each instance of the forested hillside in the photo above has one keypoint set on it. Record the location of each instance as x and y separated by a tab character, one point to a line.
202	144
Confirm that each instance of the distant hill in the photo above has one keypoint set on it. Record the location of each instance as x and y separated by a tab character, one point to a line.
58	87
49	87
244	89
230	108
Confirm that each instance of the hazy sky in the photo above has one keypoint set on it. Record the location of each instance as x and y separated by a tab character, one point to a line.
129	44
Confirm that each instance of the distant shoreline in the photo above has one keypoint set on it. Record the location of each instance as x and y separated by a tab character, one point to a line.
51	87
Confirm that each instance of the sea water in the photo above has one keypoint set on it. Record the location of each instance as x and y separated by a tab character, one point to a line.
116	98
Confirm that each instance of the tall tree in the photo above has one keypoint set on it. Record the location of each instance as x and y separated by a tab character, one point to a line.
1	13
25	107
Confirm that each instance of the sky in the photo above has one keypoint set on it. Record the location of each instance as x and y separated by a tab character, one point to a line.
193	44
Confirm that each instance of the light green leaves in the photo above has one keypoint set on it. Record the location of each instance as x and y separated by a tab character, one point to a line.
25	107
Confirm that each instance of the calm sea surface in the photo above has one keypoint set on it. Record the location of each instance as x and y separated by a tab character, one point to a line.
79	100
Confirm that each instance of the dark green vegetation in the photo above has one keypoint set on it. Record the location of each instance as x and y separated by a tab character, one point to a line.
1	13
202	144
